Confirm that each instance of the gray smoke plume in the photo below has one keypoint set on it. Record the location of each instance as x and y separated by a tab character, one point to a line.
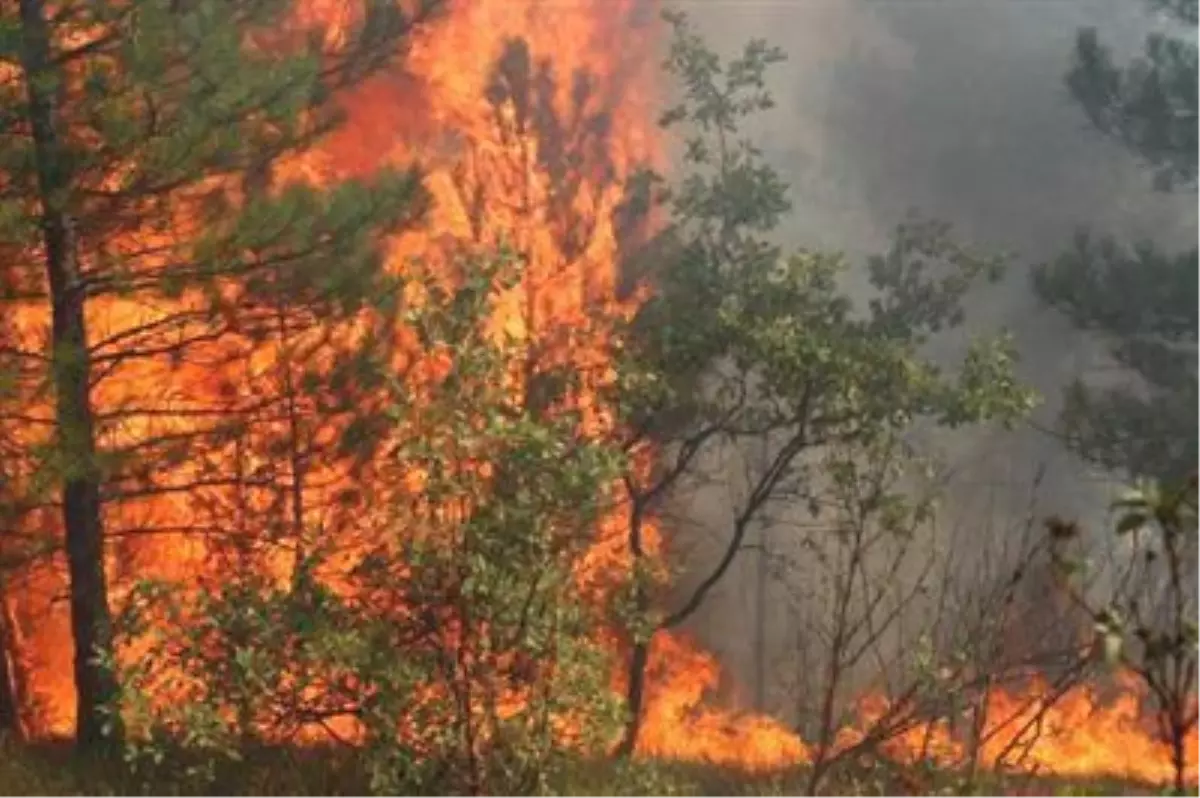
957	109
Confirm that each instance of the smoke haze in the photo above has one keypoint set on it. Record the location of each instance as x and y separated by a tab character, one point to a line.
957	109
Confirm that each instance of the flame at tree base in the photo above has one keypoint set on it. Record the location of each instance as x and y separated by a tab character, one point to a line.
1077	734
680	723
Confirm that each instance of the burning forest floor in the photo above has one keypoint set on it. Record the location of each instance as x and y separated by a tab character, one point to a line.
50	769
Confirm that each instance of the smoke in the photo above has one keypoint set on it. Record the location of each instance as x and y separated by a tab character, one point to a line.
957	110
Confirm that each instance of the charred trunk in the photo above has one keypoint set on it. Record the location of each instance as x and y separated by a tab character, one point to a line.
634	698
1179	760
91	625
639	655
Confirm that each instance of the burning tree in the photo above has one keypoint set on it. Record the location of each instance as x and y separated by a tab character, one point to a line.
154	223
458	651
466	570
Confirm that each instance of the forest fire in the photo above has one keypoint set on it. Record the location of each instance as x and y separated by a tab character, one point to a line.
528	117
1075	733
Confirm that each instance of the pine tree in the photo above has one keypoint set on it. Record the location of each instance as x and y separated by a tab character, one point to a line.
1140	299
149	213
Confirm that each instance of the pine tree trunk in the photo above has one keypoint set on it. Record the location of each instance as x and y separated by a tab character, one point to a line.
10	720
91	623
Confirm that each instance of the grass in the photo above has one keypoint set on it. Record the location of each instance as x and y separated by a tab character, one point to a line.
52	769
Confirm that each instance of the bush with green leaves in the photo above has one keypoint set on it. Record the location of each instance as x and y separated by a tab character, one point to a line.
459	647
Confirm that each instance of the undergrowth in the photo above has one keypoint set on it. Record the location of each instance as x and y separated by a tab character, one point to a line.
51	769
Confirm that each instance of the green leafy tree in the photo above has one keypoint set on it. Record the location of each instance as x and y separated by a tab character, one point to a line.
461	644
141	140
1138	298
743	344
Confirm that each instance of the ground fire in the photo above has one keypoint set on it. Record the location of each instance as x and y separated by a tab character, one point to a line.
528	116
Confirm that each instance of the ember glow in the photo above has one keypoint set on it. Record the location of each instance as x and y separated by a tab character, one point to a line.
528	116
